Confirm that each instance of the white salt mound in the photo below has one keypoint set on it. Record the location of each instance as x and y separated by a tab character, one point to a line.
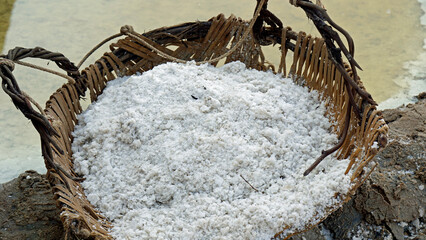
165	153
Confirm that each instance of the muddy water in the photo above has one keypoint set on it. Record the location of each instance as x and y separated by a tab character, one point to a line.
387	34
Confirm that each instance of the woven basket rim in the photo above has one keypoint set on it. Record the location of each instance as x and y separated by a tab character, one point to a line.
199	41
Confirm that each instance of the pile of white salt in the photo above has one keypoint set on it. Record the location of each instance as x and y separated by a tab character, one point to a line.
171	154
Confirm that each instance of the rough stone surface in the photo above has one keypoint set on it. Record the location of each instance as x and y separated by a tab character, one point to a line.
390	205
315	233
28	210
343	220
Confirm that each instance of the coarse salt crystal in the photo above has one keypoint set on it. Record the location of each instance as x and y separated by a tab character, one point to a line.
189	152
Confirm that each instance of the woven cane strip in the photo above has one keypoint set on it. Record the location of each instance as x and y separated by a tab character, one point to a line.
237	31
64	110
302	56
212	37
111	62
310	53
248	53
215	45
74	203
282	66
96	86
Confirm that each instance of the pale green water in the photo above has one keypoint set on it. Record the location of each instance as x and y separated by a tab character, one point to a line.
387	34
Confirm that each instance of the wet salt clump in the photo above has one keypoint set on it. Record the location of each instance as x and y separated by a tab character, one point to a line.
167	153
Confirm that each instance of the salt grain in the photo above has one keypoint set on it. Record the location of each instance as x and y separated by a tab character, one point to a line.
164	154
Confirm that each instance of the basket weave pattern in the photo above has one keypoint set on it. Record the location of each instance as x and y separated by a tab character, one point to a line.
201	41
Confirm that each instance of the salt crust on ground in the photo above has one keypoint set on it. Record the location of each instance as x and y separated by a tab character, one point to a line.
163	154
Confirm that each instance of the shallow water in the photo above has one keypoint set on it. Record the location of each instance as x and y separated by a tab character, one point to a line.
388	38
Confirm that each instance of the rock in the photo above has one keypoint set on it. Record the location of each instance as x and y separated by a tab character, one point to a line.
397	230
421	96
28	210
343	220
407	123
393	193
316	233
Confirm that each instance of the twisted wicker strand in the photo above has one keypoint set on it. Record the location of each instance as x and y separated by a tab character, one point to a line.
128	30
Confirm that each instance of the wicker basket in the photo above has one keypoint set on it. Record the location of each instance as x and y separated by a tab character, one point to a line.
197	41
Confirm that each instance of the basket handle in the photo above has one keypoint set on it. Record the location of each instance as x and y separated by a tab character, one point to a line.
23	101
19	53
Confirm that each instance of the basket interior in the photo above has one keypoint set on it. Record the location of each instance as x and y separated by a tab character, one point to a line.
199	41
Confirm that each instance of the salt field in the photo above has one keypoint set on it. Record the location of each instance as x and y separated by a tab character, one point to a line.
389	38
